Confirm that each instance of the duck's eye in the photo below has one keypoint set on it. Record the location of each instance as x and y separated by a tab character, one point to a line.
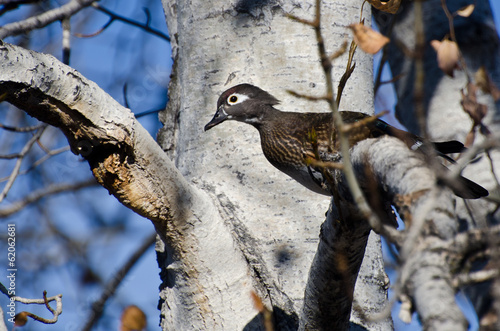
236	98
233	99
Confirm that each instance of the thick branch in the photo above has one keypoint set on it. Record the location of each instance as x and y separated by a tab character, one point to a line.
401	173
143	26
123	156
334	270
429	214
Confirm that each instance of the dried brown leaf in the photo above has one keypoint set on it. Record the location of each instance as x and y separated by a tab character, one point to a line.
266	313
133	318
482	80
466	11
21	319
486	84
469	139
369	40
489	320
447	55
390	6
257	302
471	106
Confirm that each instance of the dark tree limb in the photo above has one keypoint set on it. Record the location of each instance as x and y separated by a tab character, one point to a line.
334	270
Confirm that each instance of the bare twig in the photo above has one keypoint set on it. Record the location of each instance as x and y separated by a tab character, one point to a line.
66	40
364	121
45	301
453	37
125	98
8	5
48	155
37	195
115	17
492	167
338	53
267	315
492	141
348	71
419	69
148	112
385	51
308	97
17	167
24	129
98	32
9	157
17	2
44	19
475	277
392	80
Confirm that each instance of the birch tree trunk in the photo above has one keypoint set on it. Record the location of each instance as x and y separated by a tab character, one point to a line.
230	224
265	233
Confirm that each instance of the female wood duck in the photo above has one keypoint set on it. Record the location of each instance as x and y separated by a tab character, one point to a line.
289	139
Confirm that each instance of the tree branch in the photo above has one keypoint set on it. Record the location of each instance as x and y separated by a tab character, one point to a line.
44	19
37	195
116	146
111	287
20	157
45	301
431	213
114	16
334	270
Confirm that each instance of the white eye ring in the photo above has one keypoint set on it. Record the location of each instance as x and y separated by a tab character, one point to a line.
236	98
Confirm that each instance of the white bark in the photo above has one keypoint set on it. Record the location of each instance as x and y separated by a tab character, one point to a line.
274	221
430	217
213	259
129	163
3	327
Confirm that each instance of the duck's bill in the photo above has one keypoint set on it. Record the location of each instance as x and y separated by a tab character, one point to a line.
219	117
